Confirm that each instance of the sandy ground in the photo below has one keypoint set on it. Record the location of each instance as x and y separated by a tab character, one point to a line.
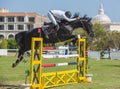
12	54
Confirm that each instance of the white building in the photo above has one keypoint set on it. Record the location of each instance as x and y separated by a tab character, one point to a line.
14	22
102	18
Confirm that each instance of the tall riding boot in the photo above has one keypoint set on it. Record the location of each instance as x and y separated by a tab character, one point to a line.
56	27
46	34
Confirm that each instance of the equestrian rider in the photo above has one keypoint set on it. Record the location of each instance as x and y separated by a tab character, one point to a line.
56	16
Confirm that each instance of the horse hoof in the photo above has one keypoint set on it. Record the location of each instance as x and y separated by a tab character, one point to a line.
13	65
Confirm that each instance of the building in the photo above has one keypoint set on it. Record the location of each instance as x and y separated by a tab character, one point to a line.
14	22
102	18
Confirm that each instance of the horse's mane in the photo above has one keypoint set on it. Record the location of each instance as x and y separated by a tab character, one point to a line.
76	15
85	17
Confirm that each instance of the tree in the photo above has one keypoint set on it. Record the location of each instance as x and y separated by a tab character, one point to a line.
12	44
99	42
104	39
114	39
3	44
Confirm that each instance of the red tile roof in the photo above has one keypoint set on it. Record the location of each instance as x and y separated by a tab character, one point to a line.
19	14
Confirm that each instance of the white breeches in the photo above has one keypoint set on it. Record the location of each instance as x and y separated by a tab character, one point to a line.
52	18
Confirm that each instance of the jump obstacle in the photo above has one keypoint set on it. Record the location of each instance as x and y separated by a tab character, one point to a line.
39	80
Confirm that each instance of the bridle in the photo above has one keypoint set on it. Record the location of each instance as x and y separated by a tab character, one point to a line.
84	27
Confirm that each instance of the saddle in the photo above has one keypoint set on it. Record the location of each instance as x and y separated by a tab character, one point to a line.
49	29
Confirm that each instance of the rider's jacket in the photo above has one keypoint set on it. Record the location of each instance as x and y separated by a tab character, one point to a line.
60	15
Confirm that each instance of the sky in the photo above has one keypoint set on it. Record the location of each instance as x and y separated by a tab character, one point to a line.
89	7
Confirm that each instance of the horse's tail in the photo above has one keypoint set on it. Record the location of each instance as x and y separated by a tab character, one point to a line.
19	37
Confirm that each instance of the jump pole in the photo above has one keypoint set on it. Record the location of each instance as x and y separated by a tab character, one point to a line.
39	80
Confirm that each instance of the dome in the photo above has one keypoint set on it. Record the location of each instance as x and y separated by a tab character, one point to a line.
101	17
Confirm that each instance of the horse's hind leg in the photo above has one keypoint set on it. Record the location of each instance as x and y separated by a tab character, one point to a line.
20	57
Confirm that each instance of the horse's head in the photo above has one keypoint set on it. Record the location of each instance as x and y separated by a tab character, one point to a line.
85	23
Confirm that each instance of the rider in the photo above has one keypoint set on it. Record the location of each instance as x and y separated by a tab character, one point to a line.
56	16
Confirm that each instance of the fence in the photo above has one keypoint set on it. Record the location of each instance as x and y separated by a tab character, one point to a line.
39	80
108	55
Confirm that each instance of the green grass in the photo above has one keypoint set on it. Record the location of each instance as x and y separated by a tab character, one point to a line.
7	73
106	73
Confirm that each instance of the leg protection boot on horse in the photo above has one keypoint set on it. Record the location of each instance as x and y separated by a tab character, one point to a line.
17	61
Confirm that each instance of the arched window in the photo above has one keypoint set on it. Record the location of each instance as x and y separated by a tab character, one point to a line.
2	36
10	36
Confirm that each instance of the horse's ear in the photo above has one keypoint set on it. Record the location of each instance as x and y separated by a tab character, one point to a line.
76	15
89	19
85	16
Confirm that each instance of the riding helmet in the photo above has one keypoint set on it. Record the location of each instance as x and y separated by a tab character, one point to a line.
68	14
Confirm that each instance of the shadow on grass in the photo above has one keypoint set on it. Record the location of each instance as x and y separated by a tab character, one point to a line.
113	65
7	86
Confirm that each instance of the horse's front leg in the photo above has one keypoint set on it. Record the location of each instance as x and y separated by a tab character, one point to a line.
74	39
20	57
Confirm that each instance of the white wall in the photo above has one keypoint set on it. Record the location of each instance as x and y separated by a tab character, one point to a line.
3	52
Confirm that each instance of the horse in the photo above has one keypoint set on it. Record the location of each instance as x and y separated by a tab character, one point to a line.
64	33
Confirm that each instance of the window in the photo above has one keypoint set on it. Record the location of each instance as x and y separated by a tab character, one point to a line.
31	19
1	36
10	19
10	27
1	19
10	36
30	26
20	27
20	19
1	27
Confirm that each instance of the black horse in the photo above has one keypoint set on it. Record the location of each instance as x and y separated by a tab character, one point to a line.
64	33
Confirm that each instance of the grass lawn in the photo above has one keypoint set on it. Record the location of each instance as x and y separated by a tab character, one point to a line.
106	73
